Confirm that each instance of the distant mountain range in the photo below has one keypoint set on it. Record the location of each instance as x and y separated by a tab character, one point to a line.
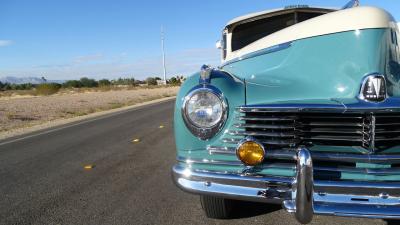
25	80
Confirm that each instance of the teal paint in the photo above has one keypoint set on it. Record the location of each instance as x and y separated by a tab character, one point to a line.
320	70
313	69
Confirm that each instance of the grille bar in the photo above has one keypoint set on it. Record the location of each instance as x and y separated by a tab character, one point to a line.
277	127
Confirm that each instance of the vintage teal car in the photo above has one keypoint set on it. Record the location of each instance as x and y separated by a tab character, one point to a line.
304	111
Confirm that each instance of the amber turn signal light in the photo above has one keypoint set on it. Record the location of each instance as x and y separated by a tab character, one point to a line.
250	152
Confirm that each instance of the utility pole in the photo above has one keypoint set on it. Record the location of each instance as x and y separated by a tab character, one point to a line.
163	55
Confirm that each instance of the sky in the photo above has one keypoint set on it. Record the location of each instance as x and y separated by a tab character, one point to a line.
70	39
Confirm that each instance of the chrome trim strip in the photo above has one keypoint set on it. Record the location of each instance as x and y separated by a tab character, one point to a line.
221	150
231	140
207	73
346	157
277	155
270	154
235	163
346	198
268	50
290	154
265	126
256	133
367	171
390	105
208	161
358	187
357	210
246	118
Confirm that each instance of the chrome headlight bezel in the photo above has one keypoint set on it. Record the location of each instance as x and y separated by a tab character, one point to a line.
205	133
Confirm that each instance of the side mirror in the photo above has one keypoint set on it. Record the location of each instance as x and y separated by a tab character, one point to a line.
218	44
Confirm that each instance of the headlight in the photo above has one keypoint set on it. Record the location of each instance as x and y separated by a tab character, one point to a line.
204	112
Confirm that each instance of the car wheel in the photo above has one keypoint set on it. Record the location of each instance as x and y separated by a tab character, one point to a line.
217	208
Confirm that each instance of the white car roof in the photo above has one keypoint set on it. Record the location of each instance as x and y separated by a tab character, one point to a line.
256	14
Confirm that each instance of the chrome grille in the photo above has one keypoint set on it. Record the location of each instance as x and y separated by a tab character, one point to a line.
283	129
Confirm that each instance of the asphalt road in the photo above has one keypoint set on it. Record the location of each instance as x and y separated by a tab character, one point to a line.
43	180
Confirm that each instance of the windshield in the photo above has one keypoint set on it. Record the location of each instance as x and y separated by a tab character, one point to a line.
247	33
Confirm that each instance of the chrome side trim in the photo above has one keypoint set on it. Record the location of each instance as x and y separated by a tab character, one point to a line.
271	49
235	163
290	154
270	154
208	161
290	166
221	150
345	157
358	187
359	106
304	185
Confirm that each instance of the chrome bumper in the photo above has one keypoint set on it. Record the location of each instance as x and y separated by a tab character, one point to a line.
300	195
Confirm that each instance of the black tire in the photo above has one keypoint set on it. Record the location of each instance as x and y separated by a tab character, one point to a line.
217	208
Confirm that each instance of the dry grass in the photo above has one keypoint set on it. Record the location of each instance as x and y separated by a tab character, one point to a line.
22	111
34	92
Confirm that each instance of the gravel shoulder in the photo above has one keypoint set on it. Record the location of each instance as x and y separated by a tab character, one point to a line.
27	114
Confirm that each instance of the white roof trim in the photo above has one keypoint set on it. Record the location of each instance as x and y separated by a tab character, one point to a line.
265	12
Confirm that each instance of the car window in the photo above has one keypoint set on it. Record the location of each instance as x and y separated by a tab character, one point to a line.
247	33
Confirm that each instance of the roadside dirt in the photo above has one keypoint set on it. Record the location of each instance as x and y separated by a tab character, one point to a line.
25	112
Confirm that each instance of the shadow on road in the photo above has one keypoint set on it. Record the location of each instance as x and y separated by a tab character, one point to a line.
392	222
251	209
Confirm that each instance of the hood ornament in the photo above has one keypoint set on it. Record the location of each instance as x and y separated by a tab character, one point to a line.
351	4
373	88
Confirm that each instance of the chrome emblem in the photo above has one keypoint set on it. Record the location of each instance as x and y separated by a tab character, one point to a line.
373	88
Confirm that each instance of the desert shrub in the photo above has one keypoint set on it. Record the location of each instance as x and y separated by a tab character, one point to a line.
174	81
104	82
151	81
125	81
86	82
6	86
47	88
72	84
26	86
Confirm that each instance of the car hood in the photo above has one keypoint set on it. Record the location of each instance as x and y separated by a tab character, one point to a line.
326	67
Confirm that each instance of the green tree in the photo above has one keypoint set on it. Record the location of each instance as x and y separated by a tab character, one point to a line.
174	81
151	81
72	84
104	82
86	82
6	86
124	81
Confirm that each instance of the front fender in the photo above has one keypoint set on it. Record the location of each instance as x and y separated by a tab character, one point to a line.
187	144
